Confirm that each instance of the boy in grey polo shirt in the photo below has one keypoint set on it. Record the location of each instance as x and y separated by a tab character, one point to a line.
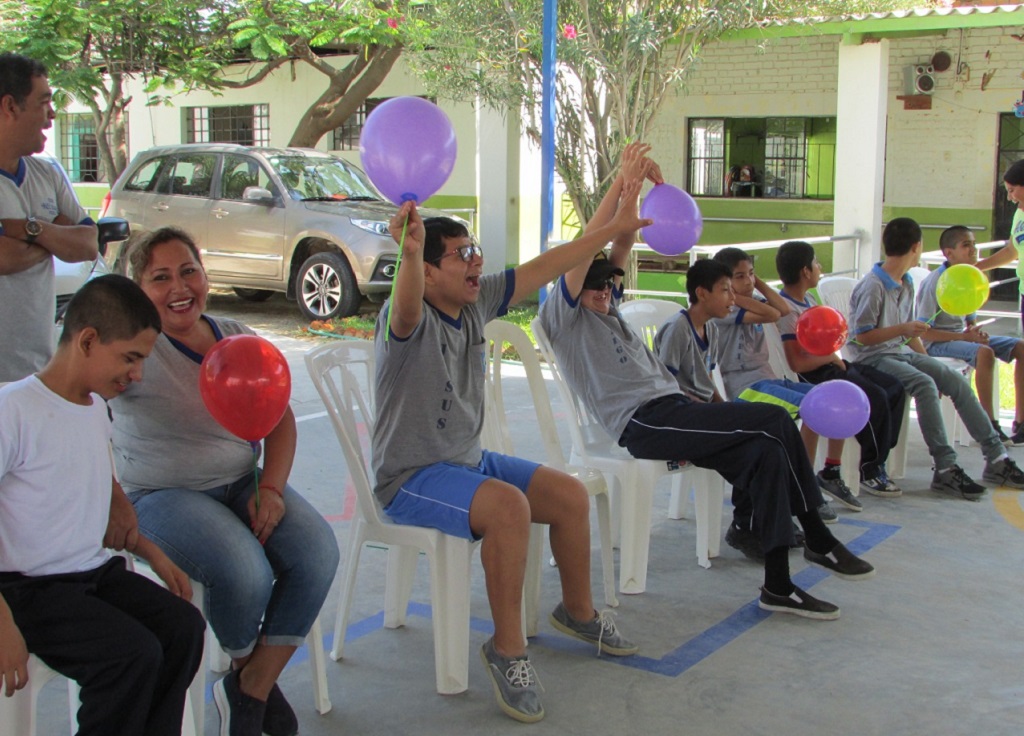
887	336
636	399
951	336
427	459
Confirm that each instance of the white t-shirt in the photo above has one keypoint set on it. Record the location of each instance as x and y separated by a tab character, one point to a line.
27	299
55	481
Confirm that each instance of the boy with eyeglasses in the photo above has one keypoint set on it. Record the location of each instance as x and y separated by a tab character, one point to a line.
427	458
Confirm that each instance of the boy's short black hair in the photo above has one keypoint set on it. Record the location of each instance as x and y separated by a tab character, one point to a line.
900	236
437	229
951	236
792	258
16	75
1015	174
115	306
732	257
705	274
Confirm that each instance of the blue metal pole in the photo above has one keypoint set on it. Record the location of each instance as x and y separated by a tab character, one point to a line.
547	145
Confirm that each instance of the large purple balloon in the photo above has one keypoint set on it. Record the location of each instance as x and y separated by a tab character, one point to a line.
677	221
408	148
835	409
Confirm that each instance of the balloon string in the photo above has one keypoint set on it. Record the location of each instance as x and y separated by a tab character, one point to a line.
398	263
930	321
256	477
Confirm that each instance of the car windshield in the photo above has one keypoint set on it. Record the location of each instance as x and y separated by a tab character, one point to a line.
310	178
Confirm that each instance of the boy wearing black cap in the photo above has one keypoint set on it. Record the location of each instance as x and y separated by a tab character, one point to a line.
427	459
635	398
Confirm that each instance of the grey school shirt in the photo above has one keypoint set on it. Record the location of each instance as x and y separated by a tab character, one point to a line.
27	299
928	305
879	301
604	362
164	436
688	356
430	388
743	352
787	322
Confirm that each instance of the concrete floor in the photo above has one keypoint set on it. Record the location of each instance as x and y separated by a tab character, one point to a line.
924	647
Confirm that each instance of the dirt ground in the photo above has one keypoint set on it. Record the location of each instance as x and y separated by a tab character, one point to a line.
277	314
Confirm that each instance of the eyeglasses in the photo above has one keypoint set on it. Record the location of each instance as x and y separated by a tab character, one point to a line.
600	285
465	252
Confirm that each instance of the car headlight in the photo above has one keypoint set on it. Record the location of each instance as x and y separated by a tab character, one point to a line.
377	227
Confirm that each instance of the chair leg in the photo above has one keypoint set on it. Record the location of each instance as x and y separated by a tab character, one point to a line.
449	597
897	466
355	546
531	587
318	668
398	588
680	498
635	526
604	529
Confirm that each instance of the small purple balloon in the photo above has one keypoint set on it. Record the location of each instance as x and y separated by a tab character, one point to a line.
408	148
835	409
677	220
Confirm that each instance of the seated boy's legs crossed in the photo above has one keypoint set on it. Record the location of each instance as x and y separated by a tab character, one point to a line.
131	645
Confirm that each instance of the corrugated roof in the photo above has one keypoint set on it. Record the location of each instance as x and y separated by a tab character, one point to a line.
901	14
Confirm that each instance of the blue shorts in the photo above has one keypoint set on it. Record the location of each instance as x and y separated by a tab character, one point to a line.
780	391
1001	345
439	496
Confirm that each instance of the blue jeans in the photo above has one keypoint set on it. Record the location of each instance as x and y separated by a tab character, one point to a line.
251	590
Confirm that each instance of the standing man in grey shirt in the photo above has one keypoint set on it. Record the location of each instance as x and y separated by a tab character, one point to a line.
40	218
429	467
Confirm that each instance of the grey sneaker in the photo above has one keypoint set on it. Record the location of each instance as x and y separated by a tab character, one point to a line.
1004	473
842	563
800	603
881	485
600	631
827	513
515	684
955	481
837	489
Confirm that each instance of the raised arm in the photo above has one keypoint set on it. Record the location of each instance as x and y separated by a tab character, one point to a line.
775	301
756	311
1002	257
407	295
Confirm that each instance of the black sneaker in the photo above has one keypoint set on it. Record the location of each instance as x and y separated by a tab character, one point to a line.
800	603
842	563
1004	473
515	684
1002	435
1017	434
955	481
745	541
279	718
240	714
838	490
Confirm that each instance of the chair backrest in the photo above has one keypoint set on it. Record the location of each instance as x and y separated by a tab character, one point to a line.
918	274
343	374
646	316
583	428
497	435
779	364
835	292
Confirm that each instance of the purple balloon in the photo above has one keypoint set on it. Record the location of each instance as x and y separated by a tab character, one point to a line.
677	220
408	148
835	409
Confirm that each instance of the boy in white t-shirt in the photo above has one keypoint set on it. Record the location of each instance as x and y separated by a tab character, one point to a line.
131	645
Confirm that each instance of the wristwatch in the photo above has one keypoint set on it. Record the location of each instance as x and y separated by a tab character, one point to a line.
33	229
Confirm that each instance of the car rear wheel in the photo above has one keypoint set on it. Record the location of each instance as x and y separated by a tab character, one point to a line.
326	287
253	295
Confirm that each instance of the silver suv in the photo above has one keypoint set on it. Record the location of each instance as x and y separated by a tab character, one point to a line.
291	219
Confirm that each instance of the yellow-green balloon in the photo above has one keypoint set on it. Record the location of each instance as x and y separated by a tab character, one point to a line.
961	290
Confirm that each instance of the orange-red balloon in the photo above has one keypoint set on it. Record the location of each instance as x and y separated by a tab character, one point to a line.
245	383
821	330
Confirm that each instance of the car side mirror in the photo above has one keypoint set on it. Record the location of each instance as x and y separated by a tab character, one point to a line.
112	230
258	195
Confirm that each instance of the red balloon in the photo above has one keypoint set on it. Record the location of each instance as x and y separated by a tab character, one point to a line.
821	330
245	383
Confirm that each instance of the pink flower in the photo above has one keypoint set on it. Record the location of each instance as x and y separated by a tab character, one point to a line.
392	23
569	32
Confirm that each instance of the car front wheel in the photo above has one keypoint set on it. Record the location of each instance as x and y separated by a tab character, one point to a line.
327	288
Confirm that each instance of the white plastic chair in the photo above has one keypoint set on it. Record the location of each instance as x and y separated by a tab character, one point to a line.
18	713
835	291
343	374
499	438
593	448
